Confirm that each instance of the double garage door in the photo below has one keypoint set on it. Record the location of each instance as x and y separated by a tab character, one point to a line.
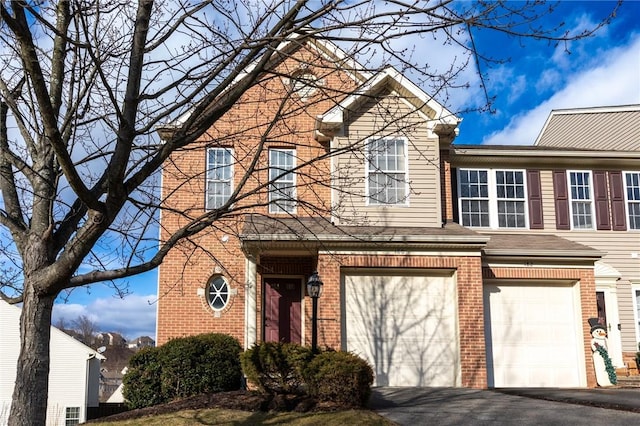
533	335
404	325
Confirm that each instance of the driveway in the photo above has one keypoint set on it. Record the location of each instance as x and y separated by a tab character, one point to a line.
460	406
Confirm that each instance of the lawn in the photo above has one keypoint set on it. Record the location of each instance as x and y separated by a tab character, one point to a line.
219	416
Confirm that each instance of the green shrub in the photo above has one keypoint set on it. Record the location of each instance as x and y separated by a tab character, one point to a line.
276	368
183	367
199	364
339	377
142	381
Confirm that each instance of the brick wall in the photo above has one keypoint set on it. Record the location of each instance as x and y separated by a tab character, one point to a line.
469	287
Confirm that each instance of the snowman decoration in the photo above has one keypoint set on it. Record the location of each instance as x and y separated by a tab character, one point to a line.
605	373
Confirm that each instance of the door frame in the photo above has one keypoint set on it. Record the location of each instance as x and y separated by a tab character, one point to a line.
264	279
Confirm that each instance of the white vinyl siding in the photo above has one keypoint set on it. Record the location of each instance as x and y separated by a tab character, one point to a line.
282	193
581	199
490	198
349	187
387	174
219	177
73	377
632	198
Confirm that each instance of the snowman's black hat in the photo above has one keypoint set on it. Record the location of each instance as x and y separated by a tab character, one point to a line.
595	324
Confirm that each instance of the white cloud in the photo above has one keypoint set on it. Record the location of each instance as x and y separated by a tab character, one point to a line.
131	316
614	81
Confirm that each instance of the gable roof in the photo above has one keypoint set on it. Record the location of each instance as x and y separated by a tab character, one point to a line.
10	315
292	43
441	119
615	128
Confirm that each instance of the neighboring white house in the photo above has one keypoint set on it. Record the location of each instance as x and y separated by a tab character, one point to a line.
73	378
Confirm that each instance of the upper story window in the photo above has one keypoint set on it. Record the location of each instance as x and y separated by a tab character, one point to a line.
282	193
387	176
581	199
632	185
492	198
219	177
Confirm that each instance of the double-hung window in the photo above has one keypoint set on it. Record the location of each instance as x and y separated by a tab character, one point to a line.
219	176
581	193
632	194
72	416
492	198
282	193
387	180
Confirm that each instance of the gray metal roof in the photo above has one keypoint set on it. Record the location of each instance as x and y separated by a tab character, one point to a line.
600	128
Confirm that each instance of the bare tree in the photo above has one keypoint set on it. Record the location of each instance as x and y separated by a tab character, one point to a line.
86	329
84	85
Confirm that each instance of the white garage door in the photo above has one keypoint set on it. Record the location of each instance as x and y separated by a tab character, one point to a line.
531	336
405	326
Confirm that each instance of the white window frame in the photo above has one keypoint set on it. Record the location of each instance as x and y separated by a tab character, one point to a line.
590	201
219	295
628	201
70	418
370	201
492	197
285	203
218	180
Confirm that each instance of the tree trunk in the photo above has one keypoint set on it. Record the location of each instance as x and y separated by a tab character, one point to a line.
29	404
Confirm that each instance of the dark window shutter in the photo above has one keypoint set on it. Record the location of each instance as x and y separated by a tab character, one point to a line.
454	194
601	200
561	199
534	189
616	193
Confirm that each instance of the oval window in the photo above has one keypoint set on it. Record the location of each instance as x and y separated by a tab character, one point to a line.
218	293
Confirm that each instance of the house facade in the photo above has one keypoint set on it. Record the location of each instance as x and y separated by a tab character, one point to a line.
359	180
73	377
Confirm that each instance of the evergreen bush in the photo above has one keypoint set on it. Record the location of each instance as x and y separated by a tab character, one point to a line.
183	367
339	377
276	368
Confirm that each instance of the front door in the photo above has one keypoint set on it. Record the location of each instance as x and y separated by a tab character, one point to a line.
282	318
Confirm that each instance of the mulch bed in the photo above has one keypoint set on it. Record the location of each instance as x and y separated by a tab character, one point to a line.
235	400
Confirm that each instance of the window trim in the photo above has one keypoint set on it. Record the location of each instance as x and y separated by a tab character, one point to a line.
492	197
591	200
77	415
207	180
275	208
208	298
628	202
368	198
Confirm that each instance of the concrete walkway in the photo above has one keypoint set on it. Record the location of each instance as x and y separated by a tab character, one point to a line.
460	406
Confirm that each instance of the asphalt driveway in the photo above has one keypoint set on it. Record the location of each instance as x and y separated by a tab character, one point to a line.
459	406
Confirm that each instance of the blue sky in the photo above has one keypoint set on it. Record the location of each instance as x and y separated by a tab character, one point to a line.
599	71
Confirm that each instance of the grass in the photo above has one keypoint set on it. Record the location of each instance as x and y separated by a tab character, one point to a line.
218	416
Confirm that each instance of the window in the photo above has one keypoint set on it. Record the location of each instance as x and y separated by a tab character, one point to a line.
219	176
492	198
632	185
72	416
580	191
387	171
218	293
282	194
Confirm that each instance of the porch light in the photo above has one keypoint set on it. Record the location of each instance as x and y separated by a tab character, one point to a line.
314	285
314	289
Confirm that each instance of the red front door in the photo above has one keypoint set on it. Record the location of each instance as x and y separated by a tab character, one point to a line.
282	318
